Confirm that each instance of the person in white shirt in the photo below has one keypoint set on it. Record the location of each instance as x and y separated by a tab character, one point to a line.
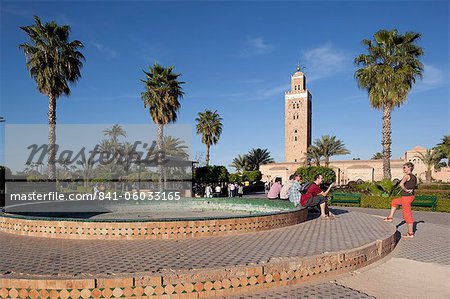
208	191
284	193
218	191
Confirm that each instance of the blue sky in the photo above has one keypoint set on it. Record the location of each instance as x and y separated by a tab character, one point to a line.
236	57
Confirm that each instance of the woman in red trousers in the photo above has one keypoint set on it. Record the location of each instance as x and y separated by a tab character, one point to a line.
408	184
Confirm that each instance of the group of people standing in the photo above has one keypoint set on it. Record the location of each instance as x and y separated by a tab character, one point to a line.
233	189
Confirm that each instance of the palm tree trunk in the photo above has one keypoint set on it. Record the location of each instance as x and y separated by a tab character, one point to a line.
207	155
386	143
51	137
160	136
327	161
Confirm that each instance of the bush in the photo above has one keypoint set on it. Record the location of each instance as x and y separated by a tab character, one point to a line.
434	186
379	202
440	194
252	176
211	174
308	173
234	177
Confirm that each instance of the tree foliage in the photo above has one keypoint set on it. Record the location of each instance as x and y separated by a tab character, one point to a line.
308	173
387	71
209	125
211	174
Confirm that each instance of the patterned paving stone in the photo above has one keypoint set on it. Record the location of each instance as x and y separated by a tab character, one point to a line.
430	245
78	258
316	291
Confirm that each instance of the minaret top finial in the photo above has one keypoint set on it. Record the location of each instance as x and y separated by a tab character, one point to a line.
298	67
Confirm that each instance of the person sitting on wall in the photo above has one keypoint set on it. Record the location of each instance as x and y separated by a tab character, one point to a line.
294	190
284	193
275	189
315	196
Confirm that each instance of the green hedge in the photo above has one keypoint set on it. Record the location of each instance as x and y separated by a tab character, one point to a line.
378	202
440	194
434	186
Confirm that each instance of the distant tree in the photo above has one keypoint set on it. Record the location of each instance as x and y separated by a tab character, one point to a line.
209	125
54	62
329	146
175	147
162	95
377	156
430	159
240	163
443	149
114	133
257	157
314	155
211	174
387	72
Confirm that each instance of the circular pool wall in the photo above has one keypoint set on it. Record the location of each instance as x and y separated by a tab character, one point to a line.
239	217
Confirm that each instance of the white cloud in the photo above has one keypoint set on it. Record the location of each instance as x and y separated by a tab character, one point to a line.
109	53
325	61
433	77
256	46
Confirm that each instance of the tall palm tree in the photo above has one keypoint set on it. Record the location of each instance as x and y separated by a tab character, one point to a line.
329	146
209	125
387	72
240	163
430	159
162	97
377	156
54	62
314	155
257	157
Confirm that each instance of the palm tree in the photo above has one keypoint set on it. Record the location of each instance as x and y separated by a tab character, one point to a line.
257	157
430	159
314	155
240	163
175	147
54	62
114	133
443	148
161	96
329	146
209	125
388	72
377	156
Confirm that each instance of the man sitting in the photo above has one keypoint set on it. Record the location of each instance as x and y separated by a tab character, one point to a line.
294	190
315	196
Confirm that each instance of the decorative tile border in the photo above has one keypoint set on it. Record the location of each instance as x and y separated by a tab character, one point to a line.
205	282
174	229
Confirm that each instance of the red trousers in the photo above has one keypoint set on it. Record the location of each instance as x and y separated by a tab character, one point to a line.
405	202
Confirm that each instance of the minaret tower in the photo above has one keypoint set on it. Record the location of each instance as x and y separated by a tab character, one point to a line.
297	119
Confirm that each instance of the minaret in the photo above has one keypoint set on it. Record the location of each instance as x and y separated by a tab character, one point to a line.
297	119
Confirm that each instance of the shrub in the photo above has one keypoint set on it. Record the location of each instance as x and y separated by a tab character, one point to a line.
211	174
379	202
308	174
434	186
234	177
252	176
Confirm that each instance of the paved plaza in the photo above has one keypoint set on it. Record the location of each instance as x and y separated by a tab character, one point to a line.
28	256
417	268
